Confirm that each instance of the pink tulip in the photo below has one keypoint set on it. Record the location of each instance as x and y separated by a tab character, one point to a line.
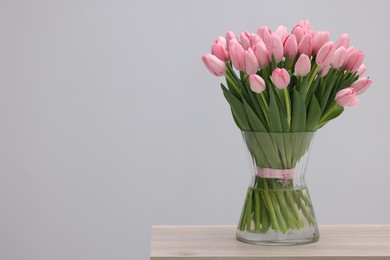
361	85
324	70
320	38
275	48
281	32
339	57
353	60
302	66
230	36
346	97
305	24
265	34
299	31
250	62
245	40
306	44
214	65
256	83
343	40
236	53
361	70
325	54
262	54
290	46
219	49
280	78
255	39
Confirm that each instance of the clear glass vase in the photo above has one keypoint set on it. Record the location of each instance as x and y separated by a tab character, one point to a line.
278	208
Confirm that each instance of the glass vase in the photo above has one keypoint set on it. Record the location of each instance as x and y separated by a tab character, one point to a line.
278	209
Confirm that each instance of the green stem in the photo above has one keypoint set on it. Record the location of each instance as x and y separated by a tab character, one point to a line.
257	210
249	211
288	105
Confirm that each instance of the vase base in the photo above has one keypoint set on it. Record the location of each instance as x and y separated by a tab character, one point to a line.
295	237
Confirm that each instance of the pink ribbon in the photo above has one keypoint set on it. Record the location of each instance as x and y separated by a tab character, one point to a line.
283	174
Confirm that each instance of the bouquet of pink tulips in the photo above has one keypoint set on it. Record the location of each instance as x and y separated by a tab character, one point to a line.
281	82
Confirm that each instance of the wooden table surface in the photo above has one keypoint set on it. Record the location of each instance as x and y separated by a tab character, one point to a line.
339	242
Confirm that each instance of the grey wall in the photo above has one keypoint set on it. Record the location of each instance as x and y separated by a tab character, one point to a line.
109	123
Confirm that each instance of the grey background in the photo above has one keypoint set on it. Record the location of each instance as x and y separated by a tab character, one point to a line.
109	123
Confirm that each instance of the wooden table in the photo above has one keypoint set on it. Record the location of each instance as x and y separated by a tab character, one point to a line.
219	242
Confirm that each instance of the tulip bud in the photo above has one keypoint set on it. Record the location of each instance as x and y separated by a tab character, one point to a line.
256	83
219	49
265	34
299	31
280	78
262	55
361	70
339	57
305	24
245	41
302	66
255	39
343	40
290	46
214	65
353	60
230	36
320	38
325	54
275	48
236	53
306	44
361	85
324	70
346	97
281	32
251	64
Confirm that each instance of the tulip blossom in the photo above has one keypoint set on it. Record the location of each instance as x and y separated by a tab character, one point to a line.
251	64
306	44
245	40
353	60
305	24
262	55
339	57
281	32
275	48
320	39
346	97
290	46
214	65
265	33
325	54
219	49
343	40
280	78
361	85
257	83
303	65
236	52
230	37
299	32
255	39
324	70
361	70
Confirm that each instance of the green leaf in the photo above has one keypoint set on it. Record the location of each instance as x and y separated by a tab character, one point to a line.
274	115
332	114
237	109
313	114
254	121
298	115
